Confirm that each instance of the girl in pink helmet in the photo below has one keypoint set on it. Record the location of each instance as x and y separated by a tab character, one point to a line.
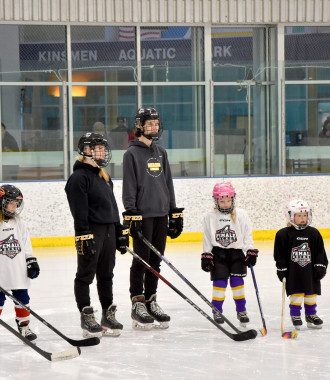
227	234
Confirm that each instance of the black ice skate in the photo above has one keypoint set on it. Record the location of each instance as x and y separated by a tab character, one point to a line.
296	321
218	318
157	313
243	318
88	323
313	321
141	319
109	322
24	329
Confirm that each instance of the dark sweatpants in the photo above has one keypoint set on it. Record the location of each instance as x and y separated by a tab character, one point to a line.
101	264
142	281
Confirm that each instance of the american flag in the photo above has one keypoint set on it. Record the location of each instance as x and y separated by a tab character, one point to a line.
127	33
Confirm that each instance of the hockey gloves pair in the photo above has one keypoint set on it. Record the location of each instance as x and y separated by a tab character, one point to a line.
251	257
133	221
85	245
33	269
175	222
207	261
122	238
281	273
320	271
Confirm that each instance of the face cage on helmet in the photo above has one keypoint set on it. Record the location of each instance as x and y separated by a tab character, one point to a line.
19	208
300	226
225	210
152	137
102	163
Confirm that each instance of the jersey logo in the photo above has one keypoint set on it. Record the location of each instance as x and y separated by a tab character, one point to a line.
10	247
225	236
154	167
301	255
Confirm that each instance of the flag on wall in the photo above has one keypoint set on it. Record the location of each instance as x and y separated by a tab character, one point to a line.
127	33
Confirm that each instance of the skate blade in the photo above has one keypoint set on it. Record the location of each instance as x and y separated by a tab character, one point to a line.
297	327
108	332
87	334
161	325
311	326
243	324
141	326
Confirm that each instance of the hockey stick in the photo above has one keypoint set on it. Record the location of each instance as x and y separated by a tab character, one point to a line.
64	355
264	329
286	334
241	336
81	342
216	311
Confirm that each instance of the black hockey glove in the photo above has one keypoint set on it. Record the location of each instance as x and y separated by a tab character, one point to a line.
175	222
207	261
320	271
133	221
122	238
251	257
33	269
281	273
85	245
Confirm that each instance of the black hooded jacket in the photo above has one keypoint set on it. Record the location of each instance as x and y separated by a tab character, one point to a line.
90	198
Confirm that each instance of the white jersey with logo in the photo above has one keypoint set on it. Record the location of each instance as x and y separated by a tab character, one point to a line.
219	230
15	248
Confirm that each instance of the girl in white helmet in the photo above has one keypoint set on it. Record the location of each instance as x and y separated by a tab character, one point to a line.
227	232
301	258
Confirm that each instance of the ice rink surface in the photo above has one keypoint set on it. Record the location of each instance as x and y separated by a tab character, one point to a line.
192	348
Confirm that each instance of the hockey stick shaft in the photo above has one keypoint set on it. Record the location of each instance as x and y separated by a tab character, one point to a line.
81	342
216	311
241	336
258	298
64	355
285	334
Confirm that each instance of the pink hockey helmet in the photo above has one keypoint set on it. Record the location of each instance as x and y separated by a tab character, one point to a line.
224	190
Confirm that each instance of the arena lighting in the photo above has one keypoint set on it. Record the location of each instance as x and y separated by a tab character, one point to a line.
77	91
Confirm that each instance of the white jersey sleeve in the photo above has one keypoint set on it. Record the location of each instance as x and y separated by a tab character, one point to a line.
219	230
15	247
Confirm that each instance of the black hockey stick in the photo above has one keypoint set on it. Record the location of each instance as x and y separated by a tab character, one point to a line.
264	329
216	311
63	355
241	336
81	342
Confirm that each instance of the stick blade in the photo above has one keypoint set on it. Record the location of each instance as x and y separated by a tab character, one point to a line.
289	334
65	355
93	341
263	331
245	335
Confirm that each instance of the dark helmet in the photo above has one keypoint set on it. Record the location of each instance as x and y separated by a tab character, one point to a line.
92	139
144	114
9	193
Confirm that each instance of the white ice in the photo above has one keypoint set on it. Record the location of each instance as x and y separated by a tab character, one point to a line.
192	348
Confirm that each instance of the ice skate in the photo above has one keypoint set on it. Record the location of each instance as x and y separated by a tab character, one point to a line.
296	321
157	313
88	323
313	321
243	318
141	319
218	318
24	329
110	326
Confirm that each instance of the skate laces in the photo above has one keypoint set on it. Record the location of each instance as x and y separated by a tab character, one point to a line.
155	308
25	330
111	315
90	320
141	309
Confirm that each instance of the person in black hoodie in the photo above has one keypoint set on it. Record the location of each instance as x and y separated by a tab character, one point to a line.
98	233
149	201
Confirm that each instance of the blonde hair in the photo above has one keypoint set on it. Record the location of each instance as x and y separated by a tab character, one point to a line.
102	172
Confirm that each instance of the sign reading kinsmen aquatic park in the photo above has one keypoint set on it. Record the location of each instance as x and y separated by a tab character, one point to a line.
224	50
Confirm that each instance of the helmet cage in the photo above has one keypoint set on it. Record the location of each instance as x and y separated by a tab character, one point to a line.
296	207
221	191
143	115
8	194
92	140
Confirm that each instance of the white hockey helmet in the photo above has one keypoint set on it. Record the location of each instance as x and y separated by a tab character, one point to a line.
295	207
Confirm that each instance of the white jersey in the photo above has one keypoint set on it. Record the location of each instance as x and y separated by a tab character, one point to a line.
219	230
15	248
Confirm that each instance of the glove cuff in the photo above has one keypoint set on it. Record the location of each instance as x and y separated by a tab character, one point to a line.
84	237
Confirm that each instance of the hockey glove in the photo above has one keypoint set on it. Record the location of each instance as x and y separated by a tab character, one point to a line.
122	238
251	257
320	271
133	221
281	273
207	261
33	269
175	222
85	245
